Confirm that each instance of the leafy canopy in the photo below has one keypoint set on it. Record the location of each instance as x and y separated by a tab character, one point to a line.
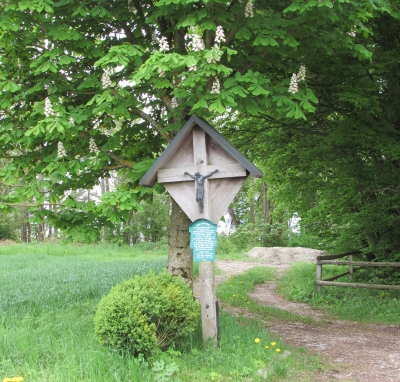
112	89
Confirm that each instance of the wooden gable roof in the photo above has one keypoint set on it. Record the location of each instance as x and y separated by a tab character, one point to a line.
150	178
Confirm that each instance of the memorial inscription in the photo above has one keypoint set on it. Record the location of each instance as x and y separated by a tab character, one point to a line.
203	240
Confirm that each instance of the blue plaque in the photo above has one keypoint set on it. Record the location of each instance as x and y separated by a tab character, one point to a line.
203	240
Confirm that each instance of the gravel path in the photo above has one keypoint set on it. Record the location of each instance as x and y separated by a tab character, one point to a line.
355	351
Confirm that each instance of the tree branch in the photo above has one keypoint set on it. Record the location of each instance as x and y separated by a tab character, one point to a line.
153	122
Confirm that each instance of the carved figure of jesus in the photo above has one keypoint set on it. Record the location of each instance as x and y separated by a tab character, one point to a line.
200	186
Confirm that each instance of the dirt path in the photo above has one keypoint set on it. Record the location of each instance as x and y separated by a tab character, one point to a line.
356	352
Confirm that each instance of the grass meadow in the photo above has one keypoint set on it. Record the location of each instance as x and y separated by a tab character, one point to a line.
48	297
365	305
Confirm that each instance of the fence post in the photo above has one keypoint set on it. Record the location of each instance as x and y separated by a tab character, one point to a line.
319	277
351	268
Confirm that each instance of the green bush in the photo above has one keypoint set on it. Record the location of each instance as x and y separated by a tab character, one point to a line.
146	314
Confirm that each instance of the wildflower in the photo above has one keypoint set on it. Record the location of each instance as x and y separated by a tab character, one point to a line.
48	109
301	76
267	347
93	147
197	43
234	295
174	103
163	44
61	153
220	35
105	80
278	350
293	88
248	12
71	121
65	250
161	72
230	285
273	343
248	303
257	340
216	87
193	68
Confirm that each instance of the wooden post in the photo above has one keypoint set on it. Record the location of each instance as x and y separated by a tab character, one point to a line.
206	269
351	268
319	277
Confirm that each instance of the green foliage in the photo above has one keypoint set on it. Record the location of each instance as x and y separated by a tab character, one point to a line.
60	51
164	372
366	305
6	229
146	314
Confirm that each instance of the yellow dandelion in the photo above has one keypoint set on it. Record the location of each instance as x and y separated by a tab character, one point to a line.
278	350
267	347
257	340
237	296
233	295
65	250
248	302
8	379
273	343
230	285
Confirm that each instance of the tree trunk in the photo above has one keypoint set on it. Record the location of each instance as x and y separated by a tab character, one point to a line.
264	202
252	218
235	221
180	256
29	231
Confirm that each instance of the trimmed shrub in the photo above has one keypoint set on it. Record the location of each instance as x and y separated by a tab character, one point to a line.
146	313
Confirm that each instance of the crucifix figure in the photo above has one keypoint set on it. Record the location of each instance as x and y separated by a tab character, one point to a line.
200	186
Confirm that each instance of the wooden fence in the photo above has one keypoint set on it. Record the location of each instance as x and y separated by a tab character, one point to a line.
332	259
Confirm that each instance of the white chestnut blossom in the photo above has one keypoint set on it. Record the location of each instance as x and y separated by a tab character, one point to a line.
197	43
164	47
174	103
105	80
161	72
193	68
293	88
220	35
48	109
248	12
301	75
61	153
216	87
93	147
71	121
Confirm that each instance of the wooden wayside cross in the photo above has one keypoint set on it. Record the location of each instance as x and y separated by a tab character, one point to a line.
199	148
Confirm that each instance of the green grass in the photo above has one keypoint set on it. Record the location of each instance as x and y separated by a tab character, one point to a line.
93	252
47	304
236	291
365	305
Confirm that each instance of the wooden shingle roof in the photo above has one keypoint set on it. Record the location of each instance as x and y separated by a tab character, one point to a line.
150	178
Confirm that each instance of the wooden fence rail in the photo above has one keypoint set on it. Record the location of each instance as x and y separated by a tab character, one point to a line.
331	259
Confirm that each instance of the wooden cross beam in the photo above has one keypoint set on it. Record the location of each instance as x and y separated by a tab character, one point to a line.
175	181
198	147
219	189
